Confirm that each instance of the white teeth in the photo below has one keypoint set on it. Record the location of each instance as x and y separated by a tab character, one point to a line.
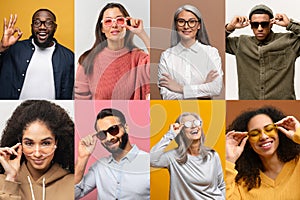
266	144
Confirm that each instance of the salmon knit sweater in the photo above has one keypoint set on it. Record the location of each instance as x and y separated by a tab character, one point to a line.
285	186
121	74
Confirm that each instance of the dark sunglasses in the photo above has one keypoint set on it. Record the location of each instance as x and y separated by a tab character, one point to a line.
256	24
113	130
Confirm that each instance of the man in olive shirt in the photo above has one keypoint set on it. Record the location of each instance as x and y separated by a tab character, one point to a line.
265	61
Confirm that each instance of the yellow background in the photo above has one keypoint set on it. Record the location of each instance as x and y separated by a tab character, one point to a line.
164	113
63	10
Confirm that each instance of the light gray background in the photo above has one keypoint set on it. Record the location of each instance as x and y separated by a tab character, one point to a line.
86	16
238	7
8	107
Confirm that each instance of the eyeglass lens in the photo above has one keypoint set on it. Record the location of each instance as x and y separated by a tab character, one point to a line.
189	124
48	23
191	22
118	20
269	130
256	24
43	150
113	130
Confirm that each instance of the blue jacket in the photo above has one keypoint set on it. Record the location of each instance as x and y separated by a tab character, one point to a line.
14	63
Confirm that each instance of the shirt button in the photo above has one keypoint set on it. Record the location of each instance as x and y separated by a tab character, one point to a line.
27	61
19	89
23	74
32	49
262	88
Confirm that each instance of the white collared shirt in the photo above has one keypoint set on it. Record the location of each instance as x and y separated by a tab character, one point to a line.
189	67
128	179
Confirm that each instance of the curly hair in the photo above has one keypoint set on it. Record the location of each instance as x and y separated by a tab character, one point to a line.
57	121
184	143
249	163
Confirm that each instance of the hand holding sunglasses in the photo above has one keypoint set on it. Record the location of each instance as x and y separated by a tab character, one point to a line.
281	20
87	146
290	126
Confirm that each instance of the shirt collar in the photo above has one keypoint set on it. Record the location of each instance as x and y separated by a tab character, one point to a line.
193	48
130	156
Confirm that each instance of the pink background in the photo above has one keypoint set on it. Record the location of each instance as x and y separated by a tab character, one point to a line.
137	114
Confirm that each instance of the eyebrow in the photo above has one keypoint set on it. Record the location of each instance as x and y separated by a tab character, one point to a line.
48	138
116	16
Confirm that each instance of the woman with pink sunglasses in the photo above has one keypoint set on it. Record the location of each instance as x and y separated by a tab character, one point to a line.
114	68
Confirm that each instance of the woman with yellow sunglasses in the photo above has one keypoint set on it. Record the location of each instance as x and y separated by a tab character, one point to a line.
262	156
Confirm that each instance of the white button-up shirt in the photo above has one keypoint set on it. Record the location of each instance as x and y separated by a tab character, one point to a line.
128	179
189	67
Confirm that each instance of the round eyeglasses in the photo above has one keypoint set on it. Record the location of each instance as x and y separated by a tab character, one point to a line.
182	22
45	148
48	23
255	134
110	21
189	124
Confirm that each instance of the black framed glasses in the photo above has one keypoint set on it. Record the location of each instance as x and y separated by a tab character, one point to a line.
113	130
264	24
182	22
48	23
189	124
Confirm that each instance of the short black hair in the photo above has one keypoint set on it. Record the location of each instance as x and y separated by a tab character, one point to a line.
110	112
44	9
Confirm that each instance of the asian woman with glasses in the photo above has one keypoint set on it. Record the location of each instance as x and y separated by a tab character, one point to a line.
190	68
114	68
37	153
262	156
195	170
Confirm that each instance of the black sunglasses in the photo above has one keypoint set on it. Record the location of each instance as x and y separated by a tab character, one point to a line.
113	130
256	24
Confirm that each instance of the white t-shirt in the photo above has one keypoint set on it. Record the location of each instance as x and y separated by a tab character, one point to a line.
39	78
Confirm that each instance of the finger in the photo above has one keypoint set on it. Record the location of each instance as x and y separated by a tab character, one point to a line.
14	20
166	75
243	143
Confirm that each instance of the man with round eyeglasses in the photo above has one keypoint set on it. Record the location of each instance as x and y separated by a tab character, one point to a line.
265	61
125	174
38	67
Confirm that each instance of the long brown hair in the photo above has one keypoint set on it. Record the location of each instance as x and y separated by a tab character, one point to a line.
87	58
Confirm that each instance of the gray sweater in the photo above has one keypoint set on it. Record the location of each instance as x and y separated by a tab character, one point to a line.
196	179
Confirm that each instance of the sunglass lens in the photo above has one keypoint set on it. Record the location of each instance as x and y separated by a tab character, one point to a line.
108	22
120	21
197	123
101	135
114	130
188	124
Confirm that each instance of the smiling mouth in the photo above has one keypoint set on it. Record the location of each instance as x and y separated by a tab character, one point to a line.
267	144
42	35
195	132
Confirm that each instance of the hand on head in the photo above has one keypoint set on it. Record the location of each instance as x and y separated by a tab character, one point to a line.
11	167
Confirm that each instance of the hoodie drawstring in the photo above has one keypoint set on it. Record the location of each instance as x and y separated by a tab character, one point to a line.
31	188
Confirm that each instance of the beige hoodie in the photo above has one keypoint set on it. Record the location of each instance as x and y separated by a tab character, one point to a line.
55	184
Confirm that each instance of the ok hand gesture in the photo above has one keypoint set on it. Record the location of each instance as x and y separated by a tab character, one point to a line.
9	31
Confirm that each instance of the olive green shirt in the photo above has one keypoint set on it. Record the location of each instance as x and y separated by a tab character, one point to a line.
266	69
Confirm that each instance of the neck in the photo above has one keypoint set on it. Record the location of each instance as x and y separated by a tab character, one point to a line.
36	174
272	166
194	148
188	43
115	45
121	154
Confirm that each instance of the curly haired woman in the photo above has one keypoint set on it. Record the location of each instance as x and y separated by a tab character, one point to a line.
37	153
262	153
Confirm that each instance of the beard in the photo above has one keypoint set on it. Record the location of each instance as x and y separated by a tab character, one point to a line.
123	140
45	44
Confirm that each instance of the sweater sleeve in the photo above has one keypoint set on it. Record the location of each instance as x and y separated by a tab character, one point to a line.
9	190
207	89
81	88
158	157
296	137
144	74
232	190
165	92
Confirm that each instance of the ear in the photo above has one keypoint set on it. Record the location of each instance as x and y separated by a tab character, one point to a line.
199	26
126	128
